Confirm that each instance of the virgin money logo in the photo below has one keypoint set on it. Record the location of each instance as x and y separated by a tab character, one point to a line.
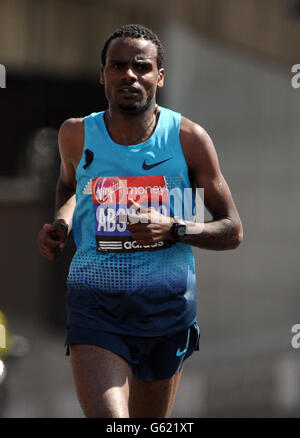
109	189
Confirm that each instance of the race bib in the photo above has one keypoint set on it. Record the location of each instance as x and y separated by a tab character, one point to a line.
110	200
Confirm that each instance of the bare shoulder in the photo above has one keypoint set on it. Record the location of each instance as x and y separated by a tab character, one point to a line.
192	134
196	143
71	130
71	138
190	128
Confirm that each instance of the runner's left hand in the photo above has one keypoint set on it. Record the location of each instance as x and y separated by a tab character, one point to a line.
147	226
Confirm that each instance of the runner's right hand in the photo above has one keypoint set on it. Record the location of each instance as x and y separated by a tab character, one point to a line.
51	240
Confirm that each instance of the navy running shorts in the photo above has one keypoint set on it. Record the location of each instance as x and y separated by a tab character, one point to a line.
153	358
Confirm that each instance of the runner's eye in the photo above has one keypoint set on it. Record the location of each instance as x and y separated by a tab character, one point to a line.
143	67
117	65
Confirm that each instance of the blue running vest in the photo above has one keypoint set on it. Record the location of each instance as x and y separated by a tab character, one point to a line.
146	292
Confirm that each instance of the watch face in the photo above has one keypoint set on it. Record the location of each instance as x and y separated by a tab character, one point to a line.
181	231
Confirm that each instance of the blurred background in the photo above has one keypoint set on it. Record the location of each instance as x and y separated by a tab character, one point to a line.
229	69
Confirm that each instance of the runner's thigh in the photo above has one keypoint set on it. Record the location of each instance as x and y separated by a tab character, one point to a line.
102	380
153	399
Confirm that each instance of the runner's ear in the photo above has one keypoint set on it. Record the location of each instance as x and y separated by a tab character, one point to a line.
102	76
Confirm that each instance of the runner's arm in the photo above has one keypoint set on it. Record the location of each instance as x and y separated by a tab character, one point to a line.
66	184
52	237
225	230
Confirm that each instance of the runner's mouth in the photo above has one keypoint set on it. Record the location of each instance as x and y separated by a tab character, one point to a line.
129	91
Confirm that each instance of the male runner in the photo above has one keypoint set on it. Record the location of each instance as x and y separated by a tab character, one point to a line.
131	300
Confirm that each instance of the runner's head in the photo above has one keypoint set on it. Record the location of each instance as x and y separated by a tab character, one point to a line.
135	31
132	59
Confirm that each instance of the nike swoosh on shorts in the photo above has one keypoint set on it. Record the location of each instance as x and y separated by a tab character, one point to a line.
180	353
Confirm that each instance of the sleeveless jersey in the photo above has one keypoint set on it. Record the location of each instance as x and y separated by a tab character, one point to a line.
115	285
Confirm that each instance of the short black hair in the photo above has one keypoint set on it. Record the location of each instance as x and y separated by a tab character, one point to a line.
135	31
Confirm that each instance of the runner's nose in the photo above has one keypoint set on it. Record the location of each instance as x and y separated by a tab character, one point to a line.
129	74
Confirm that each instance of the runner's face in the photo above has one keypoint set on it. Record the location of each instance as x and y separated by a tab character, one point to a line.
130	75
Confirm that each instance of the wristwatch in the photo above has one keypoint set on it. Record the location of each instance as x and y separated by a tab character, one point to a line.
178	229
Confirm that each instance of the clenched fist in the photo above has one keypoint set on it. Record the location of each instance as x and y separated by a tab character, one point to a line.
52	238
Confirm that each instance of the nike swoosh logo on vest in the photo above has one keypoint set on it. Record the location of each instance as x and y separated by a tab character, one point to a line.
146	166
